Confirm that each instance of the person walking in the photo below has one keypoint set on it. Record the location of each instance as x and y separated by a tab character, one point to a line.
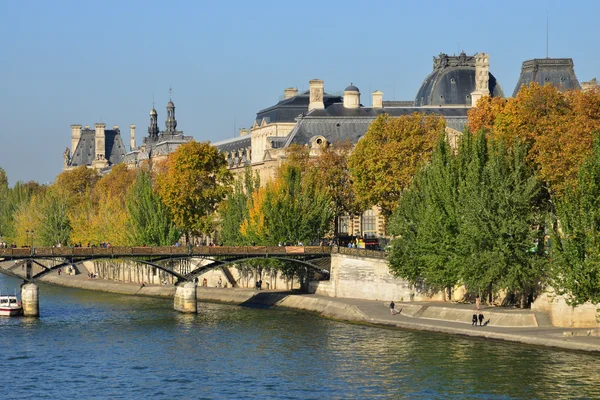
477	302
480	319
393	308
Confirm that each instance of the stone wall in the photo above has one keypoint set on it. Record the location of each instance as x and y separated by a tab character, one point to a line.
370	279
129	271
561	314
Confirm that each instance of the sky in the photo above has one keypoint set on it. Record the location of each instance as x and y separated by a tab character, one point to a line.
83	62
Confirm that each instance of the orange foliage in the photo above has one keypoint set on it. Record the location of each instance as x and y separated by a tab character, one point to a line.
557	127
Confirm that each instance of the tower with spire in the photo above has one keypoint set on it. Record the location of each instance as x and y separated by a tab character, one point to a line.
153	127
171	122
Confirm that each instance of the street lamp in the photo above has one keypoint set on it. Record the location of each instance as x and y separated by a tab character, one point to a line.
29	234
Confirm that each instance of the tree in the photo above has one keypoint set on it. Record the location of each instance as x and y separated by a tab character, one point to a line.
295	210
472	217
149	221
55	226
576	236
77	183
334	179
195	181
503	209
426	224
235	210
115	184
386	159
556	128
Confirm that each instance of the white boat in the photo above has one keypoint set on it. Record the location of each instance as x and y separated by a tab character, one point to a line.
10	306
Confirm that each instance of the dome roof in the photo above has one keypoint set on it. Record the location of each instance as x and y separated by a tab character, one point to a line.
153	111
452	82
170	104
351	88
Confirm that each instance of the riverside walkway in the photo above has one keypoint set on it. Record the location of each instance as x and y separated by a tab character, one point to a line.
374	312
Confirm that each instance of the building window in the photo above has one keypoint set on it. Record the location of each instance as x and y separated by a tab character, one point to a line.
344	228
369	224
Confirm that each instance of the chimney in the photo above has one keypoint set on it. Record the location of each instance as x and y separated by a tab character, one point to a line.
316	94
290	92
377	99
243	132
482	78
75	136
100	141
132	137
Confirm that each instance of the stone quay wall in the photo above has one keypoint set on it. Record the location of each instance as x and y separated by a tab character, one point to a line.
243	276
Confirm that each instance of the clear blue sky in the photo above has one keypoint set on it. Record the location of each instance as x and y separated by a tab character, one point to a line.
81	62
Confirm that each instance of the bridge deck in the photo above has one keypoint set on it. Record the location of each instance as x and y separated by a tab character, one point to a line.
176	251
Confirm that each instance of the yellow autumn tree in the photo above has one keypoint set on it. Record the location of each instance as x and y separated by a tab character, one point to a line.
386	159
195	180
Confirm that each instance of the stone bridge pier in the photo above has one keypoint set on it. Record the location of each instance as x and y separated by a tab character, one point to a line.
30	300
185	298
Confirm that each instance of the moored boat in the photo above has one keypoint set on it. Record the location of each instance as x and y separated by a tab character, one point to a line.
10	306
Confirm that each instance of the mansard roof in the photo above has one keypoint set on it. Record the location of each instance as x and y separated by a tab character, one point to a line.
556	71
338	124
85	152
287	110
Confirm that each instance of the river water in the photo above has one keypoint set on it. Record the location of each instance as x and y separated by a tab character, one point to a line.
91	345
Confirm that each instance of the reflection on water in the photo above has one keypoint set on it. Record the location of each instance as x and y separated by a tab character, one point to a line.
96	345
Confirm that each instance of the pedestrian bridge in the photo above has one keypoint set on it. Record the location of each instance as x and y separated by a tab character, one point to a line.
49	259
312	257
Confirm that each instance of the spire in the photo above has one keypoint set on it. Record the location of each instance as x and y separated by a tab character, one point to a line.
153	127
171	122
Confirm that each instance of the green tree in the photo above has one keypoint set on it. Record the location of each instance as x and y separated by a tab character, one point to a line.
503	213
387	158
195	181
149	222
576	236
236	209
295	210
55	226
426	224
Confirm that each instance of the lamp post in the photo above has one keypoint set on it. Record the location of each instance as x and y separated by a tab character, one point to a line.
29	234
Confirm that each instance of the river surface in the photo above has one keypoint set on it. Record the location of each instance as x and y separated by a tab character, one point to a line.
91	345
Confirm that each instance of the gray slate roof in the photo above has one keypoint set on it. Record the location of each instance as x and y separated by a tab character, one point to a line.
556	71
337	124
85	152
288	110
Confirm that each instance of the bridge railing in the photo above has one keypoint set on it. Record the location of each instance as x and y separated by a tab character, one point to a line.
116	251
360	252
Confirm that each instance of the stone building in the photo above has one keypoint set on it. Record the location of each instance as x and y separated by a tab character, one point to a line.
101	149
96	148
158	144
315	118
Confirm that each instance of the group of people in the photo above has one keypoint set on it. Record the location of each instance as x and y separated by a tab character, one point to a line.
259	284
92	275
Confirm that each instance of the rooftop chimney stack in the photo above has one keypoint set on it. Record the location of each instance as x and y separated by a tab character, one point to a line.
75	136
377	99
290	92
132	137
316	94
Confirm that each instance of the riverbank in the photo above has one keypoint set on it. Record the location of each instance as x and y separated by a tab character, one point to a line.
520	326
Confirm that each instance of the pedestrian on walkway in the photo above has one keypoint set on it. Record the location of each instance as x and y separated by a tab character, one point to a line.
480	319
393	309
474	320
477	302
